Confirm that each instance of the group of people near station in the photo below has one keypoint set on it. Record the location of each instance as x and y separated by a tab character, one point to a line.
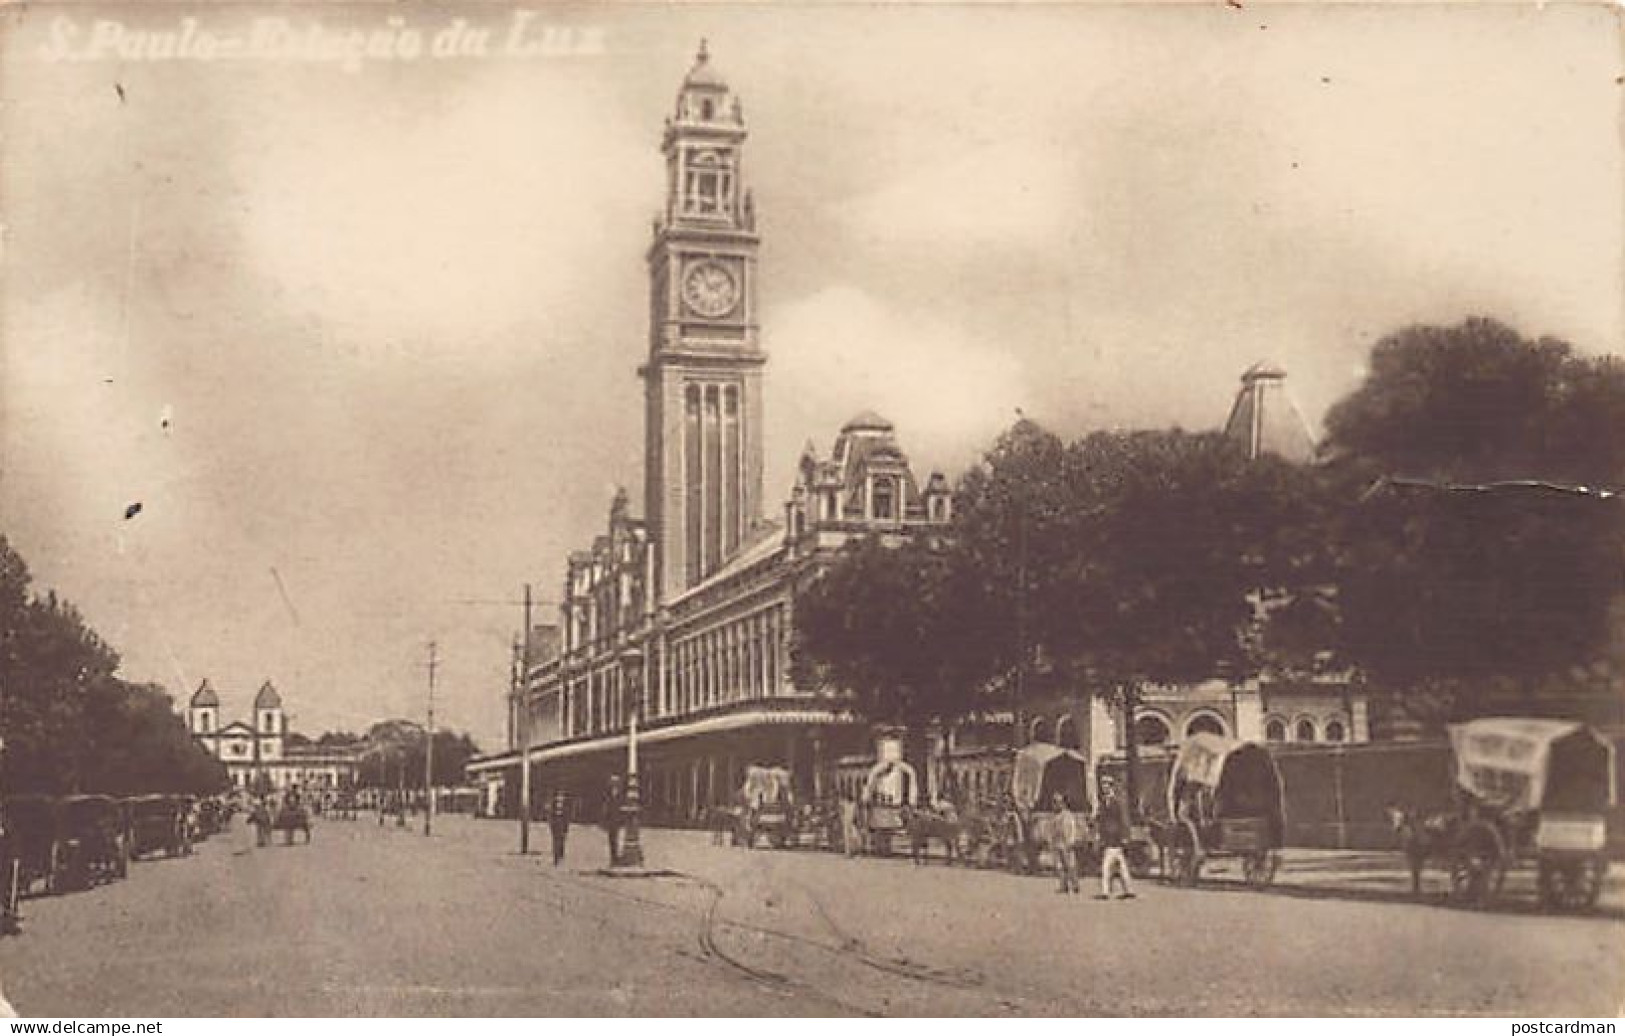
1069	830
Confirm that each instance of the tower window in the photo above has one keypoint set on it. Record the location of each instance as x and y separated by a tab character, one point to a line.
883	499
708	184
707	109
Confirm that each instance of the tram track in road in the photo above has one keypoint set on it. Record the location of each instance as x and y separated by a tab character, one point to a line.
907	969
711	951
847	951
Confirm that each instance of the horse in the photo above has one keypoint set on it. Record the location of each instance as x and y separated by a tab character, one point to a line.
924	824
290	818
1424	837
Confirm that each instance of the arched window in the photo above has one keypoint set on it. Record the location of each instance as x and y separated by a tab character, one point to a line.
883	499
1275	730
1066	733
1039	730
1151	729
1204	723
1335	731
1305	730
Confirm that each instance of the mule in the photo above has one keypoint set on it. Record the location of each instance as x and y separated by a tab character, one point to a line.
942	824
1423	837
290	819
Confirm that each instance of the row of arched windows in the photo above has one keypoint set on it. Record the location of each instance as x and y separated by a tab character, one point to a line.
1276	727
1155	729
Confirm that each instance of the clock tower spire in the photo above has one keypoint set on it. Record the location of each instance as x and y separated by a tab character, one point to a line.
702	381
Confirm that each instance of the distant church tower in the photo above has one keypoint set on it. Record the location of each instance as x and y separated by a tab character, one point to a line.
270	724
703	378
203	714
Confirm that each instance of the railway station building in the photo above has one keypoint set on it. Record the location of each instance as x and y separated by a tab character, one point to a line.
682	616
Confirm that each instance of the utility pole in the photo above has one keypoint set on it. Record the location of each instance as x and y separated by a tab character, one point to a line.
527	727
428	752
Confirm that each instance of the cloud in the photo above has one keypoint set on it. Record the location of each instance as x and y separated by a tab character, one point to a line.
443	221
1009	194
841	351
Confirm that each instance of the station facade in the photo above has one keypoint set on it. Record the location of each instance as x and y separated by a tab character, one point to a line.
681	619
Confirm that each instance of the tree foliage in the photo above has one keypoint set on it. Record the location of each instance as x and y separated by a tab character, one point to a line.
889	623
69	723
394	754
1472	546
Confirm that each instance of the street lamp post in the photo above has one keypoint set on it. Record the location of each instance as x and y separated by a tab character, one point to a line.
428	751
631	808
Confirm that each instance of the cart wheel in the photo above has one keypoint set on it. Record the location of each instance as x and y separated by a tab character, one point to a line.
1258	869
1572	884
1479	867
1593	890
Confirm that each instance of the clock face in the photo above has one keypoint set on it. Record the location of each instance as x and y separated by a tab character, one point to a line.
709	289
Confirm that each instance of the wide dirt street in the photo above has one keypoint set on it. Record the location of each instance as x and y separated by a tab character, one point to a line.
374	920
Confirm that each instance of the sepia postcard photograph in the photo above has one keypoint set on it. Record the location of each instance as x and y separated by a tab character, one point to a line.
801	510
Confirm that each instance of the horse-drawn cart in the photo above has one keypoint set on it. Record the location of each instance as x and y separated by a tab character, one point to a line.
1039	773
890	791
768	806
1224	799
1533	791
35	843
158	822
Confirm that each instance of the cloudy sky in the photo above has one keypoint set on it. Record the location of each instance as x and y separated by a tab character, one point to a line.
391	309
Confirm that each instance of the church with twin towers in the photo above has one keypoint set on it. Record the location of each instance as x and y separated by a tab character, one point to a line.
684	615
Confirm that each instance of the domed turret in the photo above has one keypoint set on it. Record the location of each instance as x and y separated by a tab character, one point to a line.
1264	418
867	421
704	74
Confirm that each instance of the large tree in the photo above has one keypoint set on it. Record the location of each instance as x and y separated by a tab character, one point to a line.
896	626
1174	542
68	722
395	755
1481	540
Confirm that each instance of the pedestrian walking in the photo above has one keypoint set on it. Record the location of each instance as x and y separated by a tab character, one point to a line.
260	820
1066	834
1114	832
558	823
612	819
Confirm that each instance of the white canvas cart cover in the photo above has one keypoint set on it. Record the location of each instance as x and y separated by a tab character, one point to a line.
1534	763
892	783
1253	787
1043	769
766	785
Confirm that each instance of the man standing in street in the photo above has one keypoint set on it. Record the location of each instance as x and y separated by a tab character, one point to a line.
558	823
259	818
612	819
1066	834
1114	832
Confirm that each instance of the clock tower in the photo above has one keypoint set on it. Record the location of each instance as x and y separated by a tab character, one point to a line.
702	381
